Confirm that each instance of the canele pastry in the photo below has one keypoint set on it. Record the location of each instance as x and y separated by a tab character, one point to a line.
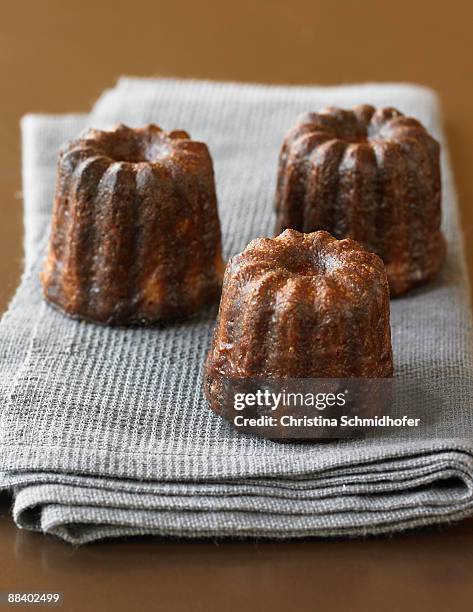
369	174
135	235
300	306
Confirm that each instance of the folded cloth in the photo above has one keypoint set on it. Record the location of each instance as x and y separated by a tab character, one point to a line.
105	432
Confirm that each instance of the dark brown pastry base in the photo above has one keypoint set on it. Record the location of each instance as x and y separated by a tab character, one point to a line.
157	324
401	281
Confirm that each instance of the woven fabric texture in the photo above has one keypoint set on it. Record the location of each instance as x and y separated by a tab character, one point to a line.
105	432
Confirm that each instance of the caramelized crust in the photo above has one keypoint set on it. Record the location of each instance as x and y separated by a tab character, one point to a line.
368	174
135	235
301	306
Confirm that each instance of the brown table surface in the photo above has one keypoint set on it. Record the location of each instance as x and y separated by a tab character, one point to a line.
57	57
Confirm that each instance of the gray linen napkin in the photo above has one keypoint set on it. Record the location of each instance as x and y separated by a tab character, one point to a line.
105	432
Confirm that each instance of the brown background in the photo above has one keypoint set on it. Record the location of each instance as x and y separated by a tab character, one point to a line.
57	57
